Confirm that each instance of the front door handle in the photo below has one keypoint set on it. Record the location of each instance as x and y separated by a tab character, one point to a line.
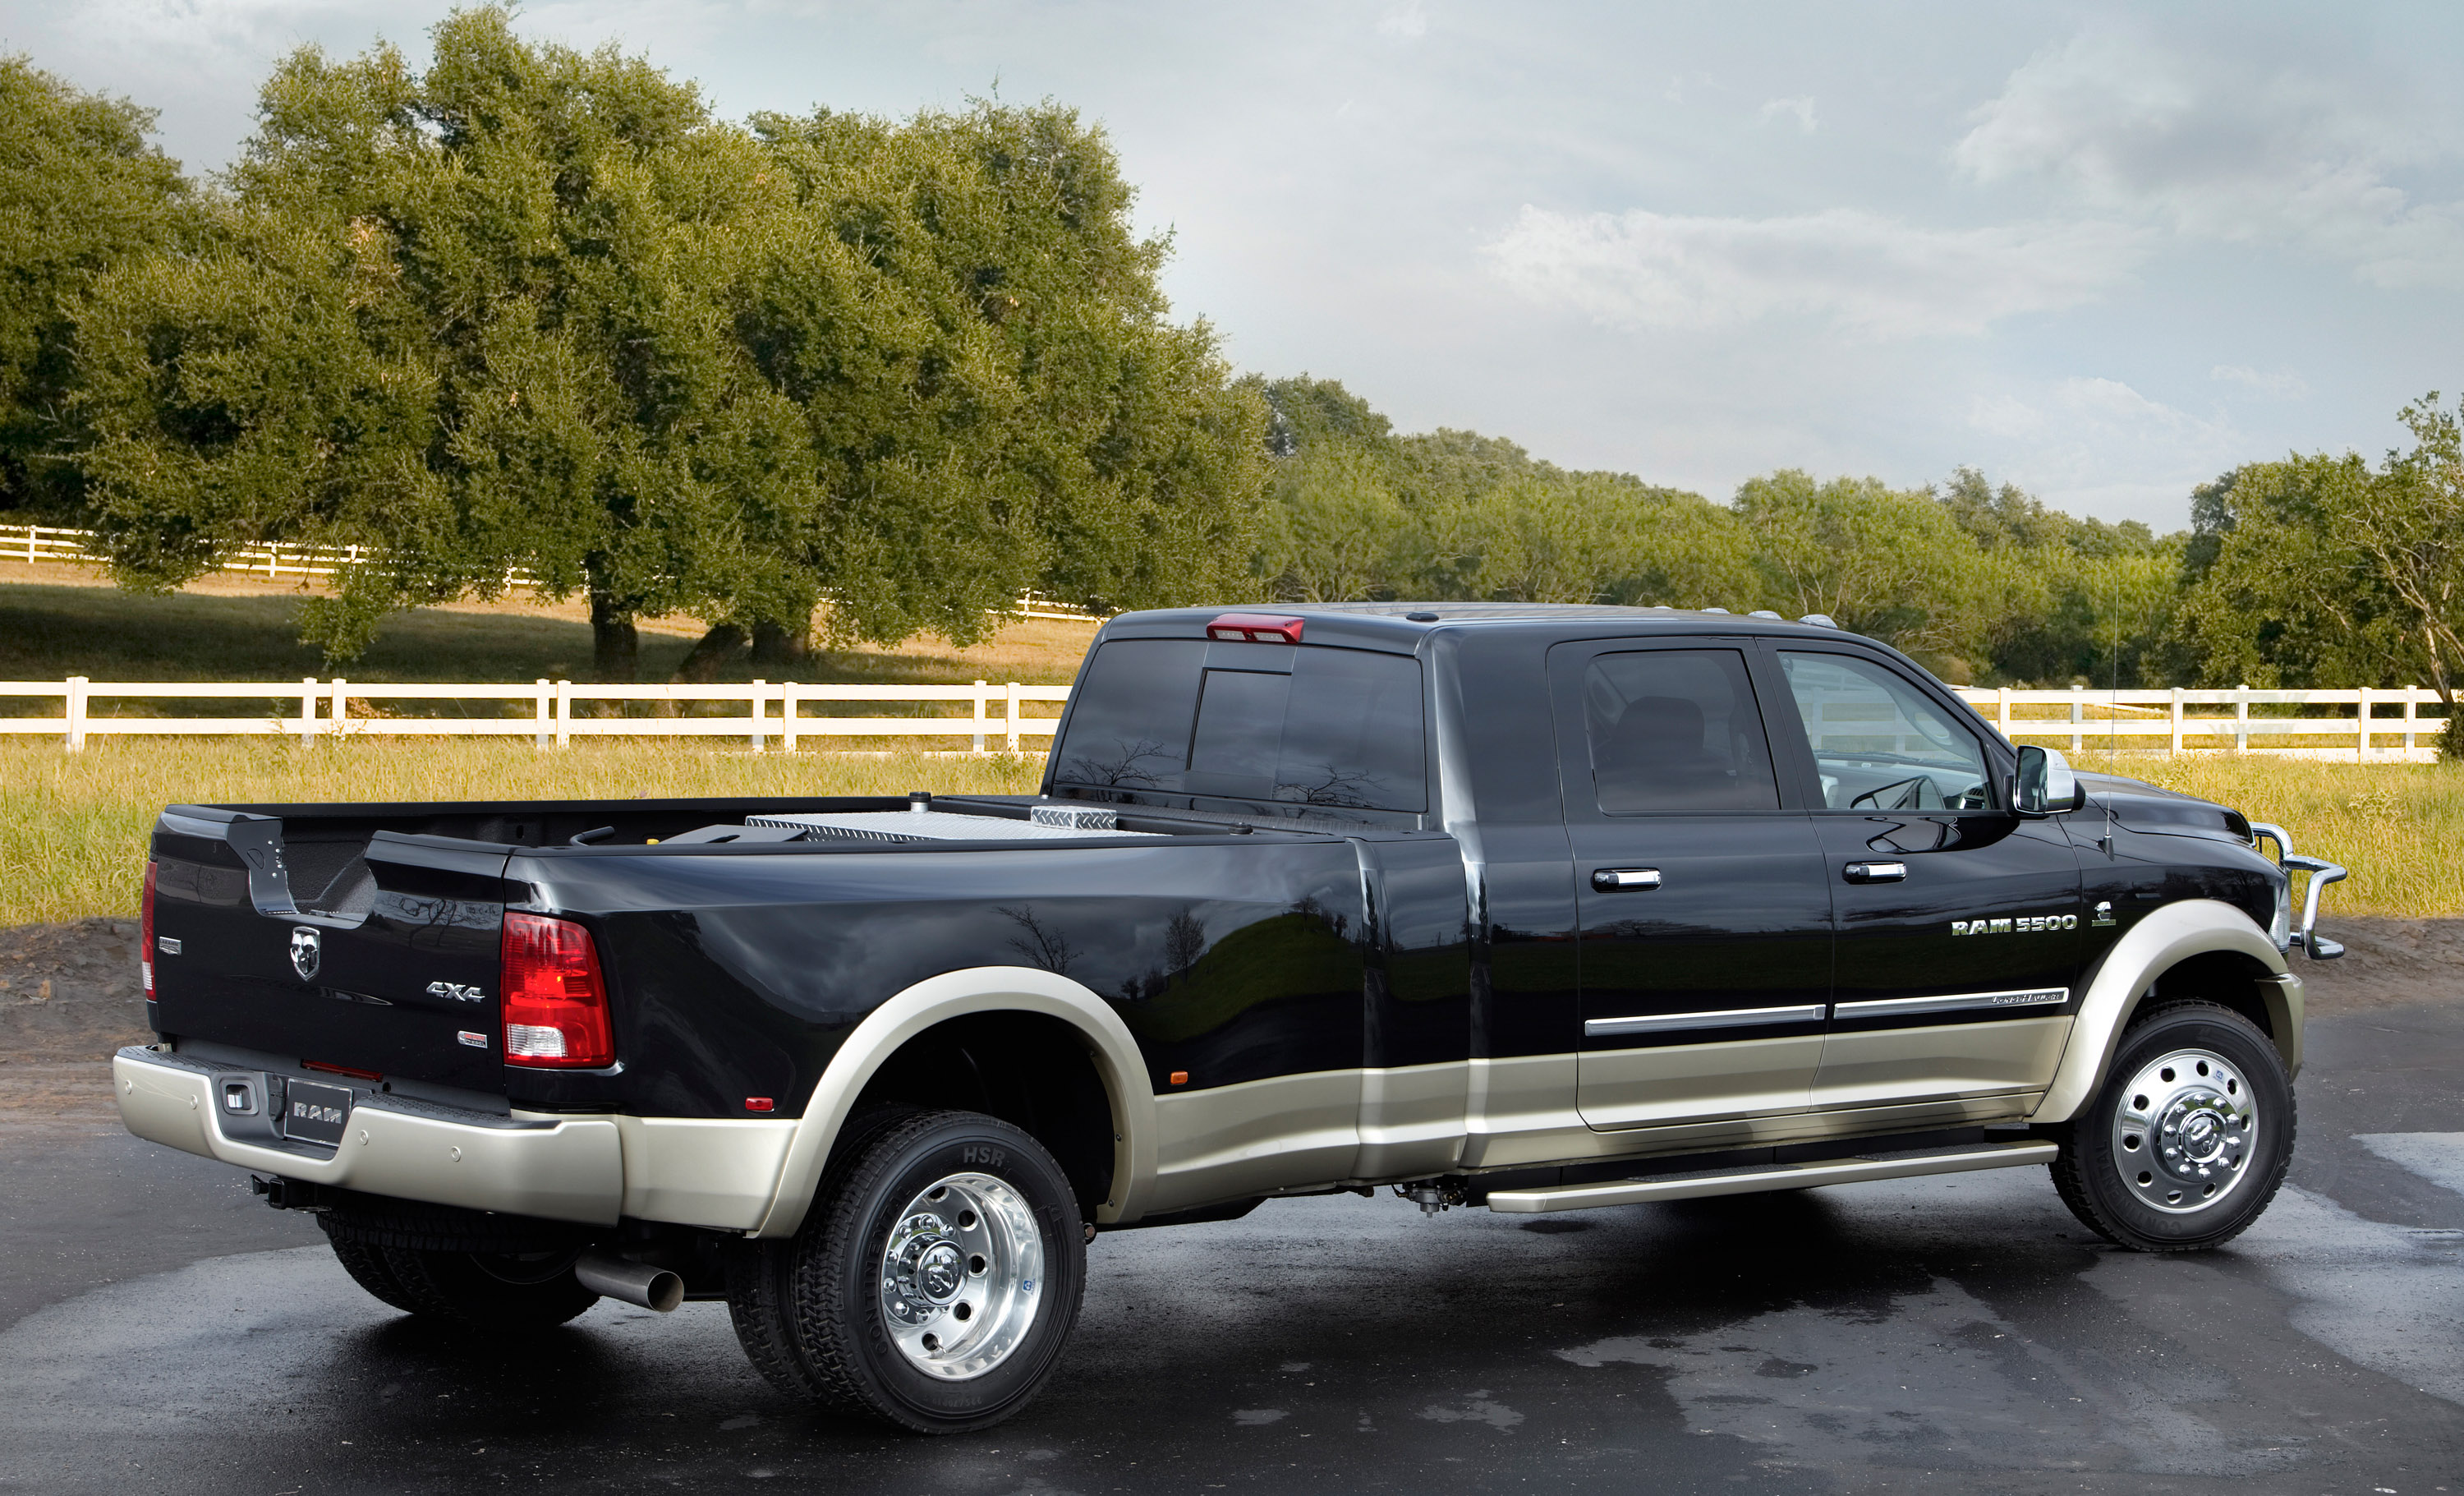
1609	880
1874	871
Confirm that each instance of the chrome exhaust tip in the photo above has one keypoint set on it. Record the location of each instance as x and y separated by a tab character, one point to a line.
615	1277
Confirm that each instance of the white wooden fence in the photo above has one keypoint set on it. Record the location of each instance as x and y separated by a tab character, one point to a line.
32	543
2373	725
769	710
2383	724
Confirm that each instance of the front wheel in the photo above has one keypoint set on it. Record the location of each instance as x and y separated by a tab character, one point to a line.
2189	1136
939	1275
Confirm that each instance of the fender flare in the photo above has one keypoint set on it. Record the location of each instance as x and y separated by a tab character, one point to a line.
2157	943
959	994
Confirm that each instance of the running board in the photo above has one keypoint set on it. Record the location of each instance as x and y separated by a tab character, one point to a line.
1783	1176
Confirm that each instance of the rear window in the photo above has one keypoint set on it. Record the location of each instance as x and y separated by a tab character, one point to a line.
1340	730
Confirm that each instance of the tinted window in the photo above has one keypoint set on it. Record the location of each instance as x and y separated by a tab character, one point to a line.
1129	729
1879	743
1675	729
1342	731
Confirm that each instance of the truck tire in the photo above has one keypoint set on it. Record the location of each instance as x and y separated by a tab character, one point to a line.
939	1277
488	1290
368	1268
2189	1138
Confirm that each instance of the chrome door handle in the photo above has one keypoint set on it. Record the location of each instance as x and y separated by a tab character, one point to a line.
1874	871
1609	880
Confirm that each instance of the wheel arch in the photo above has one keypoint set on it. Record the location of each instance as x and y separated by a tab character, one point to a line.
2202	947
973	1002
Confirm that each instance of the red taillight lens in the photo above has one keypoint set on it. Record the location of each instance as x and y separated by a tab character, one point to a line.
1255	628
556	1004
145	936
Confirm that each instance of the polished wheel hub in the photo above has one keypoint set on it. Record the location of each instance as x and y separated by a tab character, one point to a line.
2183	1136
962	1276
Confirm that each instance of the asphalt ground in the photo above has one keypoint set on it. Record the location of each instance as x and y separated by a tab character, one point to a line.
163	1332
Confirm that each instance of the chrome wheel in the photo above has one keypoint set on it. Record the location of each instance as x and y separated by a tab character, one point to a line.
2184	1130
962	1276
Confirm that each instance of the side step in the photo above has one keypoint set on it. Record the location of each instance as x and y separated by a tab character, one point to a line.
1779	1176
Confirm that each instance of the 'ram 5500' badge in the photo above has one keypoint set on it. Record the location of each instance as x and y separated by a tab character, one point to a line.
307	951
2029	924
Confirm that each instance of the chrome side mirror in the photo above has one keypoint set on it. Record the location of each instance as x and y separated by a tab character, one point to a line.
2045	785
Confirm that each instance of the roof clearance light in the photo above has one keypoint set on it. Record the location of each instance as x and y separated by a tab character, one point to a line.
1255	628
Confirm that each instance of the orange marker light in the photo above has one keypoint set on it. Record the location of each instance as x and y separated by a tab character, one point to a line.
1181	1077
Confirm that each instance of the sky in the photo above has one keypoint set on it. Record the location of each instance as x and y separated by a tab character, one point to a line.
2104	253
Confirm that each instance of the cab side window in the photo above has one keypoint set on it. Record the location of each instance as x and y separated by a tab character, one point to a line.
1675	731
1878	743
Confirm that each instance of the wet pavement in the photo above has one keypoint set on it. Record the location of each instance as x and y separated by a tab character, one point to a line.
1959	1334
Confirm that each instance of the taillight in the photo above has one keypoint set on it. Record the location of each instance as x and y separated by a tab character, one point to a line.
556	1004
145	934
1255	628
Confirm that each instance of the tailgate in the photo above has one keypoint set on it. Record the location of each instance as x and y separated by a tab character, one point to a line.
369	951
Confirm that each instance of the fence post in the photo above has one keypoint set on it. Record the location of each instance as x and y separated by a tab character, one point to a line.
32	531
787	719
2177	724
76	713
761	705
980	716
2079	715
563	713
308	694
2241	718
1011	713
342	712
539	703
2362	730
2411	716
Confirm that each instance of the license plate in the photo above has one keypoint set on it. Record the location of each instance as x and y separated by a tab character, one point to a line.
314	1112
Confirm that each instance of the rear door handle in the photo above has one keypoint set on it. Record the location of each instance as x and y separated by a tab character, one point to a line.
1874	871
1611	879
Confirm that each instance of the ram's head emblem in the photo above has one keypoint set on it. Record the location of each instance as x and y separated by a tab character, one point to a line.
307	951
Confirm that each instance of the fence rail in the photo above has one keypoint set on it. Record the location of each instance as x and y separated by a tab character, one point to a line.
2381	724
32	543
769	711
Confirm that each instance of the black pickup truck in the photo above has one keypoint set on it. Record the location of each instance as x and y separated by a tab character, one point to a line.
1533	907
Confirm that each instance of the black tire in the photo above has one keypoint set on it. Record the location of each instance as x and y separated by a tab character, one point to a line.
848	1345
488	1290
2128	1184
366	1265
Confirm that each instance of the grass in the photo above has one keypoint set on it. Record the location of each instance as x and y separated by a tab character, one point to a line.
57	621
73	827
2395	825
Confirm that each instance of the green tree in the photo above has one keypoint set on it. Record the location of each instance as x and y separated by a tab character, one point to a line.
1887	563
80	191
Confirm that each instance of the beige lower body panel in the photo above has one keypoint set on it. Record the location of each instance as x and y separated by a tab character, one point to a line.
719	1172
560	1168
1939	1061
1286	1131
1671	1084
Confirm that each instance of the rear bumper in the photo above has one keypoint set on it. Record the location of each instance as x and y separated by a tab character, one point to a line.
557	1168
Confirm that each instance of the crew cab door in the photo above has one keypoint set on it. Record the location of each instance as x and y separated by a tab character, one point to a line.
1701	895
1958	922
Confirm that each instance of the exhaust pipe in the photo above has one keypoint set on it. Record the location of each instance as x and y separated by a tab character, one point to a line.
635	1283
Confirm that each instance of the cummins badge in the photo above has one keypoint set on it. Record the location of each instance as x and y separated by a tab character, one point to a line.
307	951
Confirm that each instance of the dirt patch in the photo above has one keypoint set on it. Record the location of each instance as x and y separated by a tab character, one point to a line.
68	996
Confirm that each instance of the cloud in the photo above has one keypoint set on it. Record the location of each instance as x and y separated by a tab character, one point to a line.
1406	20
1802	108
2099	446
2285	384
1863	272
2223	143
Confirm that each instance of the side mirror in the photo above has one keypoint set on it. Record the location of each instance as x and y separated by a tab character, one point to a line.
2045	785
